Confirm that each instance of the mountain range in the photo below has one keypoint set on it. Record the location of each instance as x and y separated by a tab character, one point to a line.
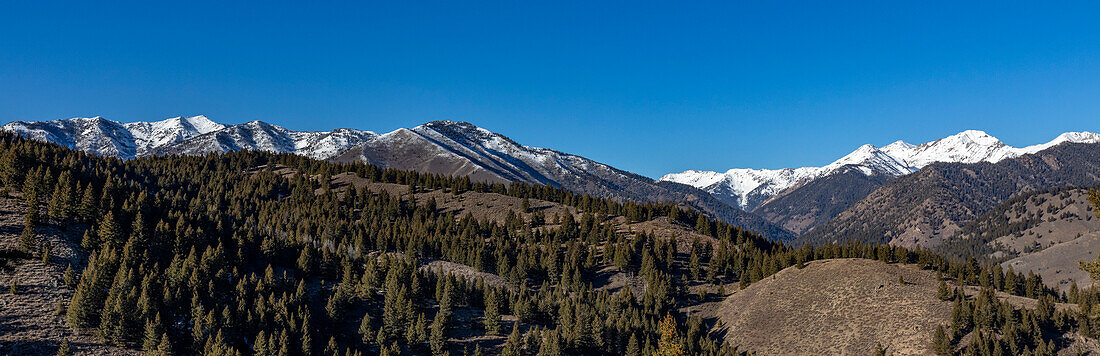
816	204
441	147
793	197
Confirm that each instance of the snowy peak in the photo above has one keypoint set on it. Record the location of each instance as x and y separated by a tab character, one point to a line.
750	187
970	146
1072	137
149	136
870	160
185	135
94	135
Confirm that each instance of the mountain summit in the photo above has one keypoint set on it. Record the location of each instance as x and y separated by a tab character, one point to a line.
751	188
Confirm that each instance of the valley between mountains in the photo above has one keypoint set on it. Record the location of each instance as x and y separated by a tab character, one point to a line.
189	236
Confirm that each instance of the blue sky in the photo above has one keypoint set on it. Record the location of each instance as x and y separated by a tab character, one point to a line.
651	87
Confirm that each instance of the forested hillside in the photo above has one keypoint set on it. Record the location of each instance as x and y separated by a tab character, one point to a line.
275	254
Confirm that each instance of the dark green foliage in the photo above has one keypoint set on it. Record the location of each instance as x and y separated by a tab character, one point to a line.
220	254
64	349
492	314
941	343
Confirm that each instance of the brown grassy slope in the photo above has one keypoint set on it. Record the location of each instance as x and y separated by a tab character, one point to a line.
1032	222
1044	231
1057	264
29	324
836	307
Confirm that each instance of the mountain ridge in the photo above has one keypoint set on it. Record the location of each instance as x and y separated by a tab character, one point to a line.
754	187
441	147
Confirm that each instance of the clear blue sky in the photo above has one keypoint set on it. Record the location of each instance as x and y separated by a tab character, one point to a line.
651	87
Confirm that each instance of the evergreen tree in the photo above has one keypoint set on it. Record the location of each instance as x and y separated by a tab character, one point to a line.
108	230
28	240
945	292
669	343
151	339
365	332
551	344
165	347
632	347
941	343
438	338
492	313
69	277
64	349
11	168
306	261
512	346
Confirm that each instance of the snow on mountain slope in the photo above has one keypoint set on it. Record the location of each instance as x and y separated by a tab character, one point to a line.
151	135
262	136
749	188
185	135
93	135
460	148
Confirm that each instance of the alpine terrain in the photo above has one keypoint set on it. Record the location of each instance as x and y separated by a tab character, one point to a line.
441	147
802	198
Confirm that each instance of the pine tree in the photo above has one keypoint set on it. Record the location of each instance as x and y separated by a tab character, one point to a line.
64	349
1092	267
58	208
89	241
70	276
941	343
669	343
945	292
551	344
438	338
87	209
151	338
306	261
365	332
632	347
330	348
28	240
417	330
47	251
512	346
11	167
91	290
165	347
492	313
108	230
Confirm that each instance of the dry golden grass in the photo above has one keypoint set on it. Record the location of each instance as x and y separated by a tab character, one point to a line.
835	307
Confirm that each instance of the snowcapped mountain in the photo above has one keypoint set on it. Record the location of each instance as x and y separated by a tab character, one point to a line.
443	147
152	135
460	148
185	135
750	188
481	153
262	136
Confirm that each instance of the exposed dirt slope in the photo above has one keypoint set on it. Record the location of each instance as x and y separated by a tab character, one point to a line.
836	307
